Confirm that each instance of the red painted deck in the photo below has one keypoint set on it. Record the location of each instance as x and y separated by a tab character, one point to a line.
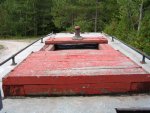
71	72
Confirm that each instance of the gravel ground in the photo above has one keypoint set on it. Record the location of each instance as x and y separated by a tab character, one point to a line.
11	47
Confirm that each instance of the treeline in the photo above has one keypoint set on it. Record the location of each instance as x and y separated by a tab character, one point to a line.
129	20
25	17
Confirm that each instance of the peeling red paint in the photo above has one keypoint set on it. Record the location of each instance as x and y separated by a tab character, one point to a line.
76	72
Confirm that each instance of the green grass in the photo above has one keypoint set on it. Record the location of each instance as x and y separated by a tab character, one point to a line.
1	47
19	37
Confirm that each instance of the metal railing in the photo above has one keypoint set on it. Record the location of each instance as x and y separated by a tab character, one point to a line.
14	55
144	55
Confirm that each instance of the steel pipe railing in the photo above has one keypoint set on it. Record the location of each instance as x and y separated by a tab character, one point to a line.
144	55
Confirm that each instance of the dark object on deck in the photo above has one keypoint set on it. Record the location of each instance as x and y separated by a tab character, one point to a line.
133	110
75	46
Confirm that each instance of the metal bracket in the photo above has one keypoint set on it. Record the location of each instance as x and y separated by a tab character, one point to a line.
13	61
42	40
143	60
112	39
77	33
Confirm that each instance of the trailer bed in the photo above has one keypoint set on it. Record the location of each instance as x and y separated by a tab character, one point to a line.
76	72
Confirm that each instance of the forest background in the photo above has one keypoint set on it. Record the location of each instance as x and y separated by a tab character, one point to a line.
128	20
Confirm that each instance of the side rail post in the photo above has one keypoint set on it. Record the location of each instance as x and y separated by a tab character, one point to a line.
13	61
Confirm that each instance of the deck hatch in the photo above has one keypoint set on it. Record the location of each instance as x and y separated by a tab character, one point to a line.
75	46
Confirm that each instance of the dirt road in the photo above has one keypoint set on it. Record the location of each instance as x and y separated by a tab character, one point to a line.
11	46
